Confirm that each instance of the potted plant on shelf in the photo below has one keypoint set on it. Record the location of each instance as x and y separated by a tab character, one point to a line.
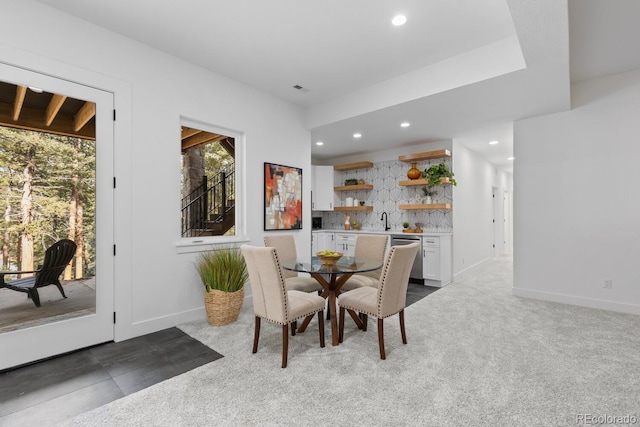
436	172
223	273
428	193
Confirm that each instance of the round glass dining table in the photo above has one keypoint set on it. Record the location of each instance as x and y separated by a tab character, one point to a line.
332	277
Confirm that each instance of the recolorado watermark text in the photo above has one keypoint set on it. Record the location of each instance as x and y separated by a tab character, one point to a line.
593	419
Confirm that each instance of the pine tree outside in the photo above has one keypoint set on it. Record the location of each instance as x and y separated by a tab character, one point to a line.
47	193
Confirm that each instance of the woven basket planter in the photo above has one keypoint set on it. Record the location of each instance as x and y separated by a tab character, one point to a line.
223	307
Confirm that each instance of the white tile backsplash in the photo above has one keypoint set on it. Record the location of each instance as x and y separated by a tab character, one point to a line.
387	194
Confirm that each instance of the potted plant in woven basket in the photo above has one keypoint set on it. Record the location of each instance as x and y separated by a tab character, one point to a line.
223	273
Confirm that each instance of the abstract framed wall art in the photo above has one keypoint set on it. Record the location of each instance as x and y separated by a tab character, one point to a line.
282	197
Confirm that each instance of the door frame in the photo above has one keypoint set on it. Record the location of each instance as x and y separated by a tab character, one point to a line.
118	269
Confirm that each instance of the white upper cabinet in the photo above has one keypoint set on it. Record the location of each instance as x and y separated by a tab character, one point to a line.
322	188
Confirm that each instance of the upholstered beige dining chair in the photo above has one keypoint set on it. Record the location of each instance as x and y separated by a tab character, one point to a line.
388	298
271	299
286	247
371	246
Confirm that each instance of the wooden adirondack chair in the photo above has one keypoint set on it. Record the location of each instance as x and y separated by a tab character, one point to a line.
56	259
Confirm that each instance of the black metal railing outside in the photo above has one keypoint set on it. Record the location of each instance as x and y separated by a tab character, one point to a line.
209	204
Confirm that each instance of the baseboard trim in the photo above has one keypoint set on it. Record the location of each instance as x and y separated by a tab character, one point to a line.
576	300
156	324
470	267
149	326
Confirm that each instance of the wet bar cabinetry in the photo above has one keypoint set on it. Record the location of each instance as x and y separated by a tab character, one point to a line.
436	256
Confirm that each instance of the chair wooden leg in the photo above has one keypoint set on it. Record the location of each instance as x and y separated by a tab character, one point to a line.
402	331
256	335
341	325
381	338
35	297
357	318
294	325
321	327
365	320
59	286
285	344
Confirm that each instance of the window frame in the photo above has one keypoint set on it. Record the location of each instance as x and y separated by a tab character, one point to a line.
206	243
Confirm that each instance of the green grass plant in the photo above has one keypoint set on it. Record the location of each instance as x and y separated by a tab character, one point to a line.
223	269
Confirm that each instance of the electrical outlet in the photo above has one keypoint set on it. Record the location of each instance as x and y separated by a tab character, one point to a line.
608	283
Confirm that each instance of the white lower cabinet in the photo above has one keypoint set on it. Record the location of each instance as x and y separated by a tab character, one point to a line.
321	241
431	258
345	243
437	267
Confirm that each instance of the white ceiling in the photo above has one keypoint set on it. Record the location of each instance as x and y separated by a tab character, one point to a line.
463	69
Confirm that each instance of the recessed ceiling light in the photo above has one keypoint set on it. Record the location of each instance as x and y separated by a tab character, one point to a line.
511	158
319	143
493	143
357	135
405	124
399	20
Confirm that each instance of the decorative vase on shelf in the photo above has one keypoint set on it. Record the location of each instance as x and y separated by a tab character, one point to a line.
428	200
414	172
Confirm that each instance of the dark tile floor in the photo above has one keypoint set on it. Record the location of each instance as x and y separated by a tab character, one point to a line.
56	389
416	291
53	390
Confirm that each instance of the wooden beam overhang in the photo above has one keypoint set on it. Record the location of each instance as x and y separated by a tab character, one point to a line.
33	119
39	111
229	144
187	132
201	138
82	117
54	106
21	91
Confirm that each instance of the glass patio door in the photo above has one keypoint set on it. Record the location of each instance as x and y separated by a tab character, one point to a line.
29	333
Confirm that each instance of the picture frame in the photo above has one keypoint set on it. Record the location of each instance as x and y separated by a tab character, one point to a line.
282	197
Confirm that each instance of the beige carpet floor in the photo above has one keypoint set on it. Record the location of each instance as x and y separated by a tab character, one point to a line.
18	312
476	356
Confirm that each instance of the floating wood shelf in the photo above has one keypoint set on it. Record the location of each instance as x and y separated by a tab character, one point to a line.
349	166
353	208
422	181
416	206
427	155
354	187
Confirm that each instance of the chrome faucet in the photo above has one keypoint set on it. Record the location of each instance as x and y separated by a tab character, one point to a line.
386	223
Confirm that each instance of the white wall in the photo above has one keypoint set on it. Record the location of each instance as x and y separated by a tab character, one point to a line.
157	287
577	214
472	208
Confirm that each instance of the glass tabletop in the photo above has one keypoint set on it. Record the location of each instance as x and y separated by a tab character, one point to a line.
346	264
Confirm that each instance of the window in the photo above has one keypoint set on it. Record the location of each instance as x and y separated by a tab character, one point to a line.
209	182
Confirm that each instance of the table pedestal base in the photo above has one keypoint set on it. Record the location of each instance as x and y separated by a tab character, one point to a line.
331	289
